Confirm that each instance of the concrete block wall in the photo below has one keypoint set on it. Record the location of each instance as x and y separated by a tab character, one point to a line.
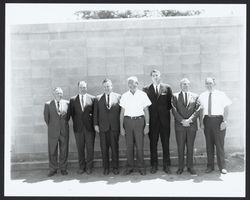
47	55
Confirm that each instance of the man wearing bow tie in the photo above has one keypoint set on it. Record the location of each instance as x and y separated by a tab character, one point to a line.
81	110
56	115
160	95
107	124
185	108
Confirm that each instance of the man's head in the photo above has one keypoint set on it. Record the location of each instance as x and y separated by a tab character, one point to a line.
107	86
58	93
155	76
210	83
132	83
184	84
82	87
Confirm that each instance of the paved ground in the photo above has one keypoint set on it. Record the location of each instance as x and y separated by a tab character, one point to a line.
36	183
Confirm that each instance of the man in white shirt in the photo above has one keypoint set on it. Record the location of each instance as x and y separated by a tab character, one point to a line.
134	123
56	116
215	105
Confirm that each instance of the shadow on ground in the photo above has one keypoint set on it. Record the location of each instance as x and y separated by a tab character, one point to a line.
233	165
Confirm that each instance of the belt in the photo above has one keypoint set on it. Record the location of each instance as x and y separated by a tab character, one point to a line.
137	117
211	116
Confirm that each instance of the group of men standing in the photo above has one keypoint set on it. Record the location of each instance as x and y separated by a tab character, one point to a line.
135	114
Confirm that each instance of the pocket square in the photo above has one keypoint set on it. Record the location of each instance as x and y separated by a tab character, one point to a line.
164	93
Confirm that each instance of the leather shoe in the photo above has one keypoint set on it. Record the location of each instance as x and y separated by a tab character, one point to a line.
179	171
89	171
223	171
80	171
191	171
64	172
153	170
209	170
167	170
105	171
142	172
128	171
115	171
52	173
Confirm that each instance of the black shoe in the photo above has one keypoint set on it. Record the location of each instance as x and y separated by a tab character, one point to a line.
80	171
153	170
179	171
52	173
89	171
64	172
209	170
105	171
128	171
191	171
142	172
115	171
167	170
223	171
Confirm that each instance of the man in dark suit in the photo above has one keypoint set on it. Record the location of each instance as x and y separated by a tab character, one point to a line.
185	108
160	95
56	115
107	124
81	110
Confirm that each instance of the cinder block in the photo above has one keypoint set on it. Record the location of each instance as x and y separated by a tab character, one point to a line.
229	65
37	55
39	28
190	49
119	61
19	37
41	72
38	45
20	63
58	27
152	51
190	31
209	38
19	45
190	68
20	53
20	29
113	33
154	60
114	69
96	51
148	33
95	62
172	68
174	40
66	44
171	49
132	68
190	40
209	58
74	71
190	59
229	48
210	67
96	68
58	62
209	48
21	120
133	41
58	53
115	51
39	36
40	100
230	75
136	51
20	81
24	129
22	110
172	31
45	82
80	62
21	73
154	40
77	52
172	59
21	91
75	35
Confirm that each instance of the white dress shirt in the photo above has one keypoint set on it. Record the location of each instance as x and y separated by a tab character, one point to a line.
219	102
110	98
158	88
134	103
84	100
183	94
60	105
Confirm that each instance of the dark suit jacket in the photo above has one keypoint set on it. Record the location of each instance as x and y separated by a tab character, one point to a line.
80	118
161	105
180	111
57	124
107	118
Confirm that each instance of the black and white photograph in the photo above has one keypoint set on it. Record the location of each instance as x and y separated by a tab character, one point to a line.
125	100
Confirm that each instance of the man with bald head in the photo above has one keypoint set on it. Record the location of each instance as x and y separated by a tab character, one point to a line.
185	108
215	106
56	115
81	110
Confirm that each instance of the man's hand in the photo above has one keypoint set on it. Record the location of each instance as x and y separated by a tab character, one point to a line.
122	131
146	130
97	129
223	125
185	122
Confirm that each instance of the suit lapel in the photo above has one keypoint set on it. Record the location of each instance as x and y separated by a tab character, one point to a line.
181	99
152	91
53	104
188	99
160	90
78	101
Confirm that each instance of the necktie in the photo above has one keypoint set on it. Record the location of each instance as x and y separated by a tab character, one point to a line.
210	104
82	102
185	98
156	91
108	101
58	106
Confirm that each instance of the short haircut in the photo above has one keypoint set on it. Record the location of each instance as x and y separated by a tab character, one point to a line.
79	82
155	71
213	79
132	78
57	89
184	80
106	80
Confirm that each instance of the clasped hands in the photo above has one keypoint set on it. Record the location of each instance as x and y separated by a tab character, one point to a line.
186	122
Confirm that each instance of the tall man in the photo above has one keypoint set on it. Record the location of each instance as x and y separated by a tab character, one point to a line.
81	109
215	105
160	95
56	115
185	108
134	123
107	124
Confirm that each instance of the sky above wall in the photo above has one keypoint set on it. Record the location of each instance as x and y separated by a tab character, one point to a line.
56	13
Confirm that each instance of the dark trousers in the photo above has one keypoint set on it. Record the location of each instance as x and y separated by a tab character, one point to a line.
185	136
109	139
85	138
63	143
164	132
134	129
214	138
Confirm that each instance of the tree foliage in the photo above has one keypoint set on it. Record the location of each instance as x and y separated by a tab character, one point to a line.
110	14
